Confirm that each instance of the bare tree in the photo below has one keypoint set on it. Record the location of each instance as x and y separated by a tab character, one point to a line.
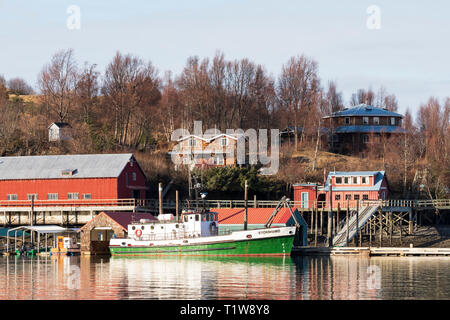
57	82
131	86
19	86
297	87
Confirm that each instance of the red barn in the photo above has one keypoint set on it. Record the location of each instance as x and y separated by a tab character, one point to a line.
71	177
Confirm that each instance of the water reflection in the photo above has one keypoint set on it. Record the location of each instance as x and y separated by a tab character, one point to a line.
286	278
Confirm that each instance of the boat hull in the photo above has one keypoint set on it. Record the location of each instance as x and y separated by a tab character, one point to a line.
237	244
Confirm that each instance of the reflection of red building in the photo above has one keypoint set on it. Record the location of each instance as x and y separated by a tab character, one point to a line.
346	187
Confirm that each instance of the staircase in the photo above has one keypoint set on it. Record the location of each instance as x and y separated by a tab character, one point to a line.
364	214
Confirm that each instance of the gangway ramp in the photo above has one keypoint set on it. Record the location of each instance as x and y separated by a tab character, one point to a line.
356	222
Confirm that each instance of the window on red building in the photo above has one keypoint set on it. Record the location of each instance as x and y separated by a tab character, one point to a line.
337	197
348	197
356	197
365	197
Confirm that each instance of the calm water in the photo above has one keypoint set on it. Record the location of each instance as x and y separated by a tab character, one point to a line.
224	278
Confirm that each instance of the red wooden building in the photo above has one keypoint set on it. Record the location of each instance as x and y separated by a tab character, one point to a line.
71	177
346	187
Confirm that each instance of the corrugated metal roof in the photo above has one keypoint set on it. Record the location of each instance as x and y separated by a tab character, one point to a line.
365	110
51	167
369	129
255	215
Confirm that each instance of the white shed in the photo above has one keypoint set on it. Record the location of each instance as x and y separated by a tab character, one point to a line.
59	131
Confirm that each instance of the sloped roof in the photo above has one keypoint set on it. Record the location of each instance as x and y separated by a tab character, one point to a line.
124	218
51	167
365	110
60	124
255	215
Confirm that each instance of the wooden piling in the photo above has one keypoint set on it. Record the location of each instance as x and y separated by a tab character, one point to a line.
390	228
315	236
381	228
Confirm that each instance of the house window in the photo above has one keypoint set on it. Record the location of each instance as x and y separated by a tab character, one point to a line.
219	160
11	197
192	142
31	196
365	180
376	120
347	120
365	120
134	176
365	138
348	197
87	196
52	196
224	142
72	196
337	197
346	180
392	121
356	197
338	180
355	180
365	197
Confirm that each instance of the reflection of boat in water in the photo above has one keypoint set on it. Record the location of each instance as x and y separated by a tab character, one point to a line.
197	234
252	260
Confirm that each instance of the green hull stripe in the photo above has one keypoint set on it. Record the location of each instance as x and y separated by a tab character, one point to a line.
266	246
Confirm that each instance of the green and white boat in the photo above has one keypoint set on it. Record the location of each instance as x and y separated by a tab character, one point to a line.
197	234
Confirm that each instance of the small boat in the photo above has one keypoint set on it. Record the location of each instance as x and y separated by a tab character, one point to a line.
197	234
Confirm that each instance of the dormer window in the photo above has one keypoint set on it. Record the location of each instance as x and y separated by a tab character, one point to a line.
376	120
347	120
365	120
365	180
338	180
346	180
392	121
355	180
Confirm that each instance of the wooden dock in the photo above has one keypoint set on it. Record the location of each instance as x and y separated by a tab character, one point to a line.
371	251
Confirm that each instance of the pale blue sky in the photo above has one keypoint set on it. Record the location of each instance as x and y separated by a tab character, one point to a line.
409	55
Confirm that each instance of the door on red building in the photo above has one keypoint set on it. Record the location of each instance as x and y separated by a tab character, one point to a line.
305	197
136	194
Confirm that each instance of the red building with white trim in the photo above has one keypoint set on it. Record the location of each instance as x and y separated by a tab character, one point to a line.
71	177
346	188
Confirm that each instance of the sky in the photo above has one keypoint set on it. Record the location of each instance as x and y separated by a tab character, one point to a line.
402	45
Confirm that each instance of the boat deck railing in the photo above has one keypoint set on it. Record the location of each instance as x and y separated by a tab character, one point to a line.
177	236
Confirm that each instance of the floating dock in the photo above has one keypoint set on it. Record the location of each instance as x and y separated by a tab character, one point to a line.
370	251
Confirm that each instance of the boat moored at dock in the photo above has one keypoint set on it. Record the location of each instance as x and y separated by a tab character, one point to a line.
197	233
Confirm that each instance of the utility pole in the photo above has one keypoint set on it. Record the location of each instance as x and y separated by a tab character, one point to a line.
160	189
246	207
176	205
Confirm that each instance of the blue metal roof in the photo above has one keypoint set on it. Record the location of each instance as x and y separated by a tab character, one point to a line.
365	110
369	129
